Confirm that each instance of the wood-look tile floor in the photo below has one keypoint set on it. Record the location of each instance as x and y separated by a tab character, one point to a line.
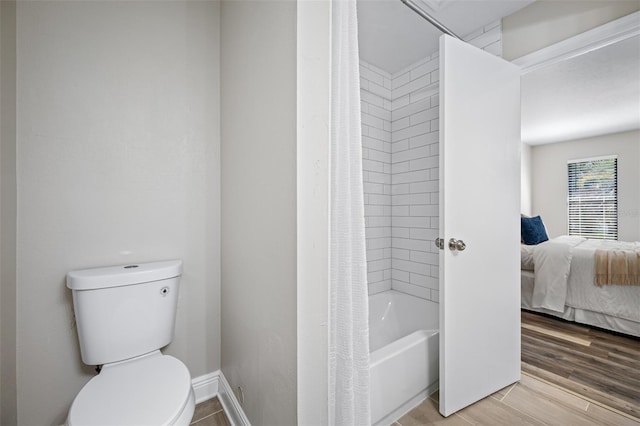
571	400
528	402
597	365
572	375
210	413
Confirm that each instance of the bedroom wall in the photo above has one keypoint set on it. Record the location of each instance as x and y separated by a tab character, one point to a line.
525	179
549	172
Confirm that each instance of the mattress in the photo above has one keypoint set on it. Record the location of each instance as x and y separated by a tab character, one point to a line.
565	276
571	313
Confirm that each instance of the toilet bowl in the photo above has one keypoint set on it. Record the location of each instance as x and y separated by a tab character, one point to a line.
150	390
124	315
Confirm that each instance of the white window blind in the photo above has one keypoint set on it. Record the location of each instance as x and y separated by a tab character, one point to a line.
593	198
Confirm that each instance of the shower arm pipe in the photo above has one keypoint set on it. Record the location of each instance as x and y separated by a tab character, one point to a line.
433	21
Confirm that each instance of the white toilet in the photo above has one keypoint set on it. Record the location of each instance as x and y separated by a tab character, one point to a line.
124	315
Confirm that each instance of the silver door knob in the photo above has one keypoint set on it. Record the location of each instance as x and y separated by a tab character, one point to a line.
458	245
439	242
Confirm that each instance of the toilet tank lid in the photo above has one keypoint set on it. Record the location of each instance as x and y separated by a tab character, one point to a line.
116	276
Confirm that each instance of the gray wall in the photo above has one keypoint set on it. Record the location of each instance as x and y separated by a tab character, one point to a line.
549	184
8	406
117	162
546	22
258	104
539	25
525	179
313	146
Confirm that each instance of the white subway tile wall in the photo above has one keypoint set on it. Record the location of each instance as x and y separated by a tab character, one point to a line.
400	114
414	185
375	94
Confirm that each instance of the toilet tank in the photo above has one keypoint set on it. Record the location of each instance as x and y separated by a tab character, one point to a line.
124	311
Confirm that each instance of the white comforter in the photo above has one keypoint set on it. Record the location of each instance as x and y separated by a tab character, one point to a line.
564	275
552	263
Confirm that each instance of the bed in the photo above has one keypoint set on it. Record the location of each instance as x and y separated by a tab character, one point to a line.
558	278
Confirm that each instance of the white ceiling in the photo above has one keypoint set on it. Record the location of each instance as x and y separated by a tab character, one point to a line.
590	95
392	36
594	94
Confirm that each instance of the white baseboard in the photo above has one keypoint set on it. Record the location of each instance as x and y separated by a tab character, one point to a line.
231	404
206	386
215	384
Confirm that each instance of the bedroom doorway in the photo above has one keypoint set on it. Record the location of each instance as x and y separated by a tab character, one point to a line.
601	366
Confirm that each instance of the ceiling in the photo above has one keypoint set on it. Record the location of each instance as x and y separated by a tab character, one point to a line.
590	95
392	36
593	94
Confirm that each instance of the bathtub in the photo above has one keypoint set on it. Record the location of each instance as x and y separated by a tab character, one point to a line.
403	341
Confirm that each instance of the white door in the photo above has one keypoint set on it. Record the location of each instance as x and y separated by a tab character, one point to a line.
479	205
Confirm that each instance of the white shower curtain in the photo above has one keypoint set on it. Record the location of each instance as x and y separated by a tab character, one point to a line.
349	310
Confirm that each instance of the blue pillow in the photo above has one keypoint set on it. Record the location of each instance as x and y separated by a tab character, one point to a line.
532	230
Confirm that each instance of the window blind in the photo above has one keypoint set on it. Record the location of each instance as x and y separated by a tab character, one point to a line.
593	198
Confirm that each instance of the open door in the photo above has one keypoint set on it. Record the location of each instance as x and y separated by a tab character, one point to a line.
479	224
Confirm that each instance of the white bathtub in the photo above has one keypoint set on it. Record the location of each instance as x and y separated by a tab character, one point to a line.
403	340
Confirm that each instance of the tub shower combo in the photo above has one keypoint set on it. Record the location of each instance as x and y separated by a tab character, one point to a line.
403	340
403	337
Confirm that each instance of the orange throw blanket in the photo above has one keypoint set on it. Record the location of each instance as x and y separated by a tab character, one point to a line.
617	267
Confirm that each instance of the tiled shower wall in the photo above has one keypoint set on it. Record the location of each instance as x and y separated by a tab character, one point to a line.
414	180
375	94
400	164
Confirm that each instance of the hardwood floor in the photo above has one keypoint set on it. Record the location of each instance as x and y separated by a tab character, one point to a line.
599	366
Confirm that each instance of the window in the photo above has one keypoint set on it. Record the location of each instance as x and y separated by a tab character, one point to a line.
593	198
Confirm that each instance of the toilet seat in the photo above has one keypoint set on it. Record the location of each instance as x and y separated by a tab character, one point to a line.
151	390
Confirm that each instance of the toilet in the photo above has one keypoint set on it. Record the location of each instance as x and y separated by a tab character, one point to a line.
124	316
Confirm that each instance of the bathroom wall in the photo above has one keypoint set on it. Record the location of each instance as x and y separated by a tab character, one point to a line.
415	178
8	406
400	165
259	220
117	162
406	158
313	113
546	22
375	94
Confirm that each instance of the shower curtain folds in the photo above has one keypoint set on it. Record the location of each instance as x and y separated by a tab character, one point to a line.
349	402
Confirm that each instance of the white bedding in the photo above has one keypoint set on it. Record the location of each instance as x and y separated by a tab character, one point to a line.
564	276
583	316
622	301
552	265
